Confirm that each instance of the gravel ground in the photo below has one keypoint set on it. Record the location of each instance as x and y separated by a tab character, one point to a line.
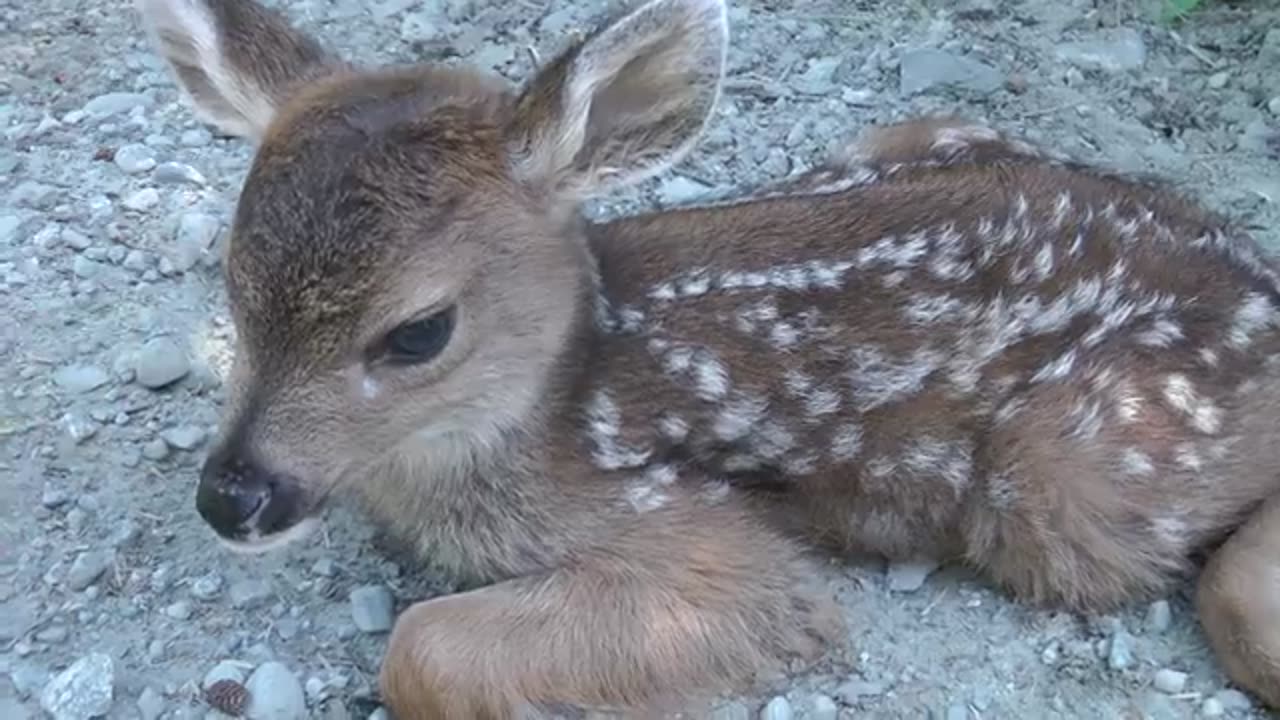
113	599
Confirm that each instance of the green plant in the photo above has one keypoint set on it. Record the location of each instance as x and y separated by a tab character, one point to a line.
1178	9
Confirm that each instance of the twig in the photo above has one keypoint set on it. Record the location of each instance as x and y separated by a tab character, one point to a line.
1196	52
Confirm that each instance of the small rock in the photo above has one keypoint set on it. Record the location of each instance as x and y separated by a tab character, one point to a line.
13	709
818	77
851	692
926	68
777	709
1218	80
324	567
226	670
1273	106
206	587
730	711
1120	654
85	268
155	449
1233	700
198	137
9	225
1123	49
151	704
88	567
196	233
53	497
135	158
1155	706
115	103
160	362
1212	708
184	437
1159	616
84	690
1169	681
180	610
53	634
909	576
74	239
81	378
142	200
679	189
248	593
176	173
379	714
34	195
822	707
275	694
372	608
957	712
79	427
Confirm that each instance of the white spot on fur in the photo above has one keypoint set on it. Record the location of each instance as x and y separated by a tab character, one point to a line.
604	425
877	380
1186	456
1181	395
1137	462
711	377
821	401
784	336
1061	209
847	442
738	416
771	440
370	389
951	461
1057	369
673	428
1162	334
1044	262
1254	313
645	498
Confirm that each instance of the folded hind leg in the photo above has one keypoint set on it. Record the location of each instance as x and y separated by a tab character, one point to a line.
1239	603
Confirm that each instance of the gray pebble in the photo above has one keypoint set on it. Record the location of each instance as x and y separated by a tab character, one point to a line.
909	576
151	704
88	567
84	690
1233	700
136	260
53	634
81	378
777	709
34	195
135	158
926	68
822	707
372	608
1169	681
1116	51
74	239
198	137
226	670
9	226
275	694
85	268
1120	654
114	103
1159	616
195	235
678	189
142	200
155	449
818	77
1219	80
176	173
184	437
78	426
1212	708
53	497
160	362
206	587
956	712
379	714
248	593
180	610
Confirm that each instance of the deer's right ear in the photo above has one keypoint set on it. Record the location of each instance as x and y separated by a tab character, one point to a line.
233	59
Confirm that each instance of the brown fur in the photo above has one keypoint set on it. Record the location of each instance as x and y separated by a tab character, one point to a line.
944	342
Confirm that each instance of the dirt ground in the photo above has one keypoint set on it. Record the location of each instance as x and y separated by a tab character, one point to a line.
114	601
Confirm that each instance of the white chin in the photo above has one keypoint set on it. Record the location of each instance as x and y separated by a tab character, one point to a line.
258	544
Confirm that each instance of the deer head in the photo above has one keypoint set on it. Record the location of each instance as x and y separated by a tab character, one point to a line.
406	264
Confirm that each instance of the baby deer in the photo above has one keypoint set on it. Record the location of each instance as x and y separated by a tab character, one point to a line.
632	435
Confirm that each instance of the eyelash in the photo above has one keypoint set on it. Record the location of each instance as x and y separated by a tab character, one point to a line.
419	341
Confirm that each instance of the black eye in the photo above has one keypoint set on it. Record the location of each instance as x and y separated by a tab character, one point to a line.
421	340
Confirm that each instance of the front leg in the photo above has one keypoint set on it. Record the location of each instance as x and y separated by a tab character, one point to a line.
680	601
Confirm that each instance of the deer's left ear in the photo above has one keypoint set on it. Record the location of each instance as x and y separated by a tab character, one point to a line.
625	103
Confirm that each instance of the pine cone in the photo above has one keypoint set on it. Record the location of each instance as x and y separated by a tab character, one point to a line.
227	696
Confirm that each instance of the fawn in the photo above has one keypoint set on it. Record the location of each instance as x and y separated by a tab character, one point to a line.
632	436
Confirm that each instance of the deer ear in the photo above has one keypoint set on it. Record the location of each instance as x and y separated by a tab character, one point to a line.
626	102
234	60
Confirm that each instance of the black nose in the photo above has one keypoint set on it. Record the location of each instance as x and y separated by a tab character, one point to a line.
231	491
